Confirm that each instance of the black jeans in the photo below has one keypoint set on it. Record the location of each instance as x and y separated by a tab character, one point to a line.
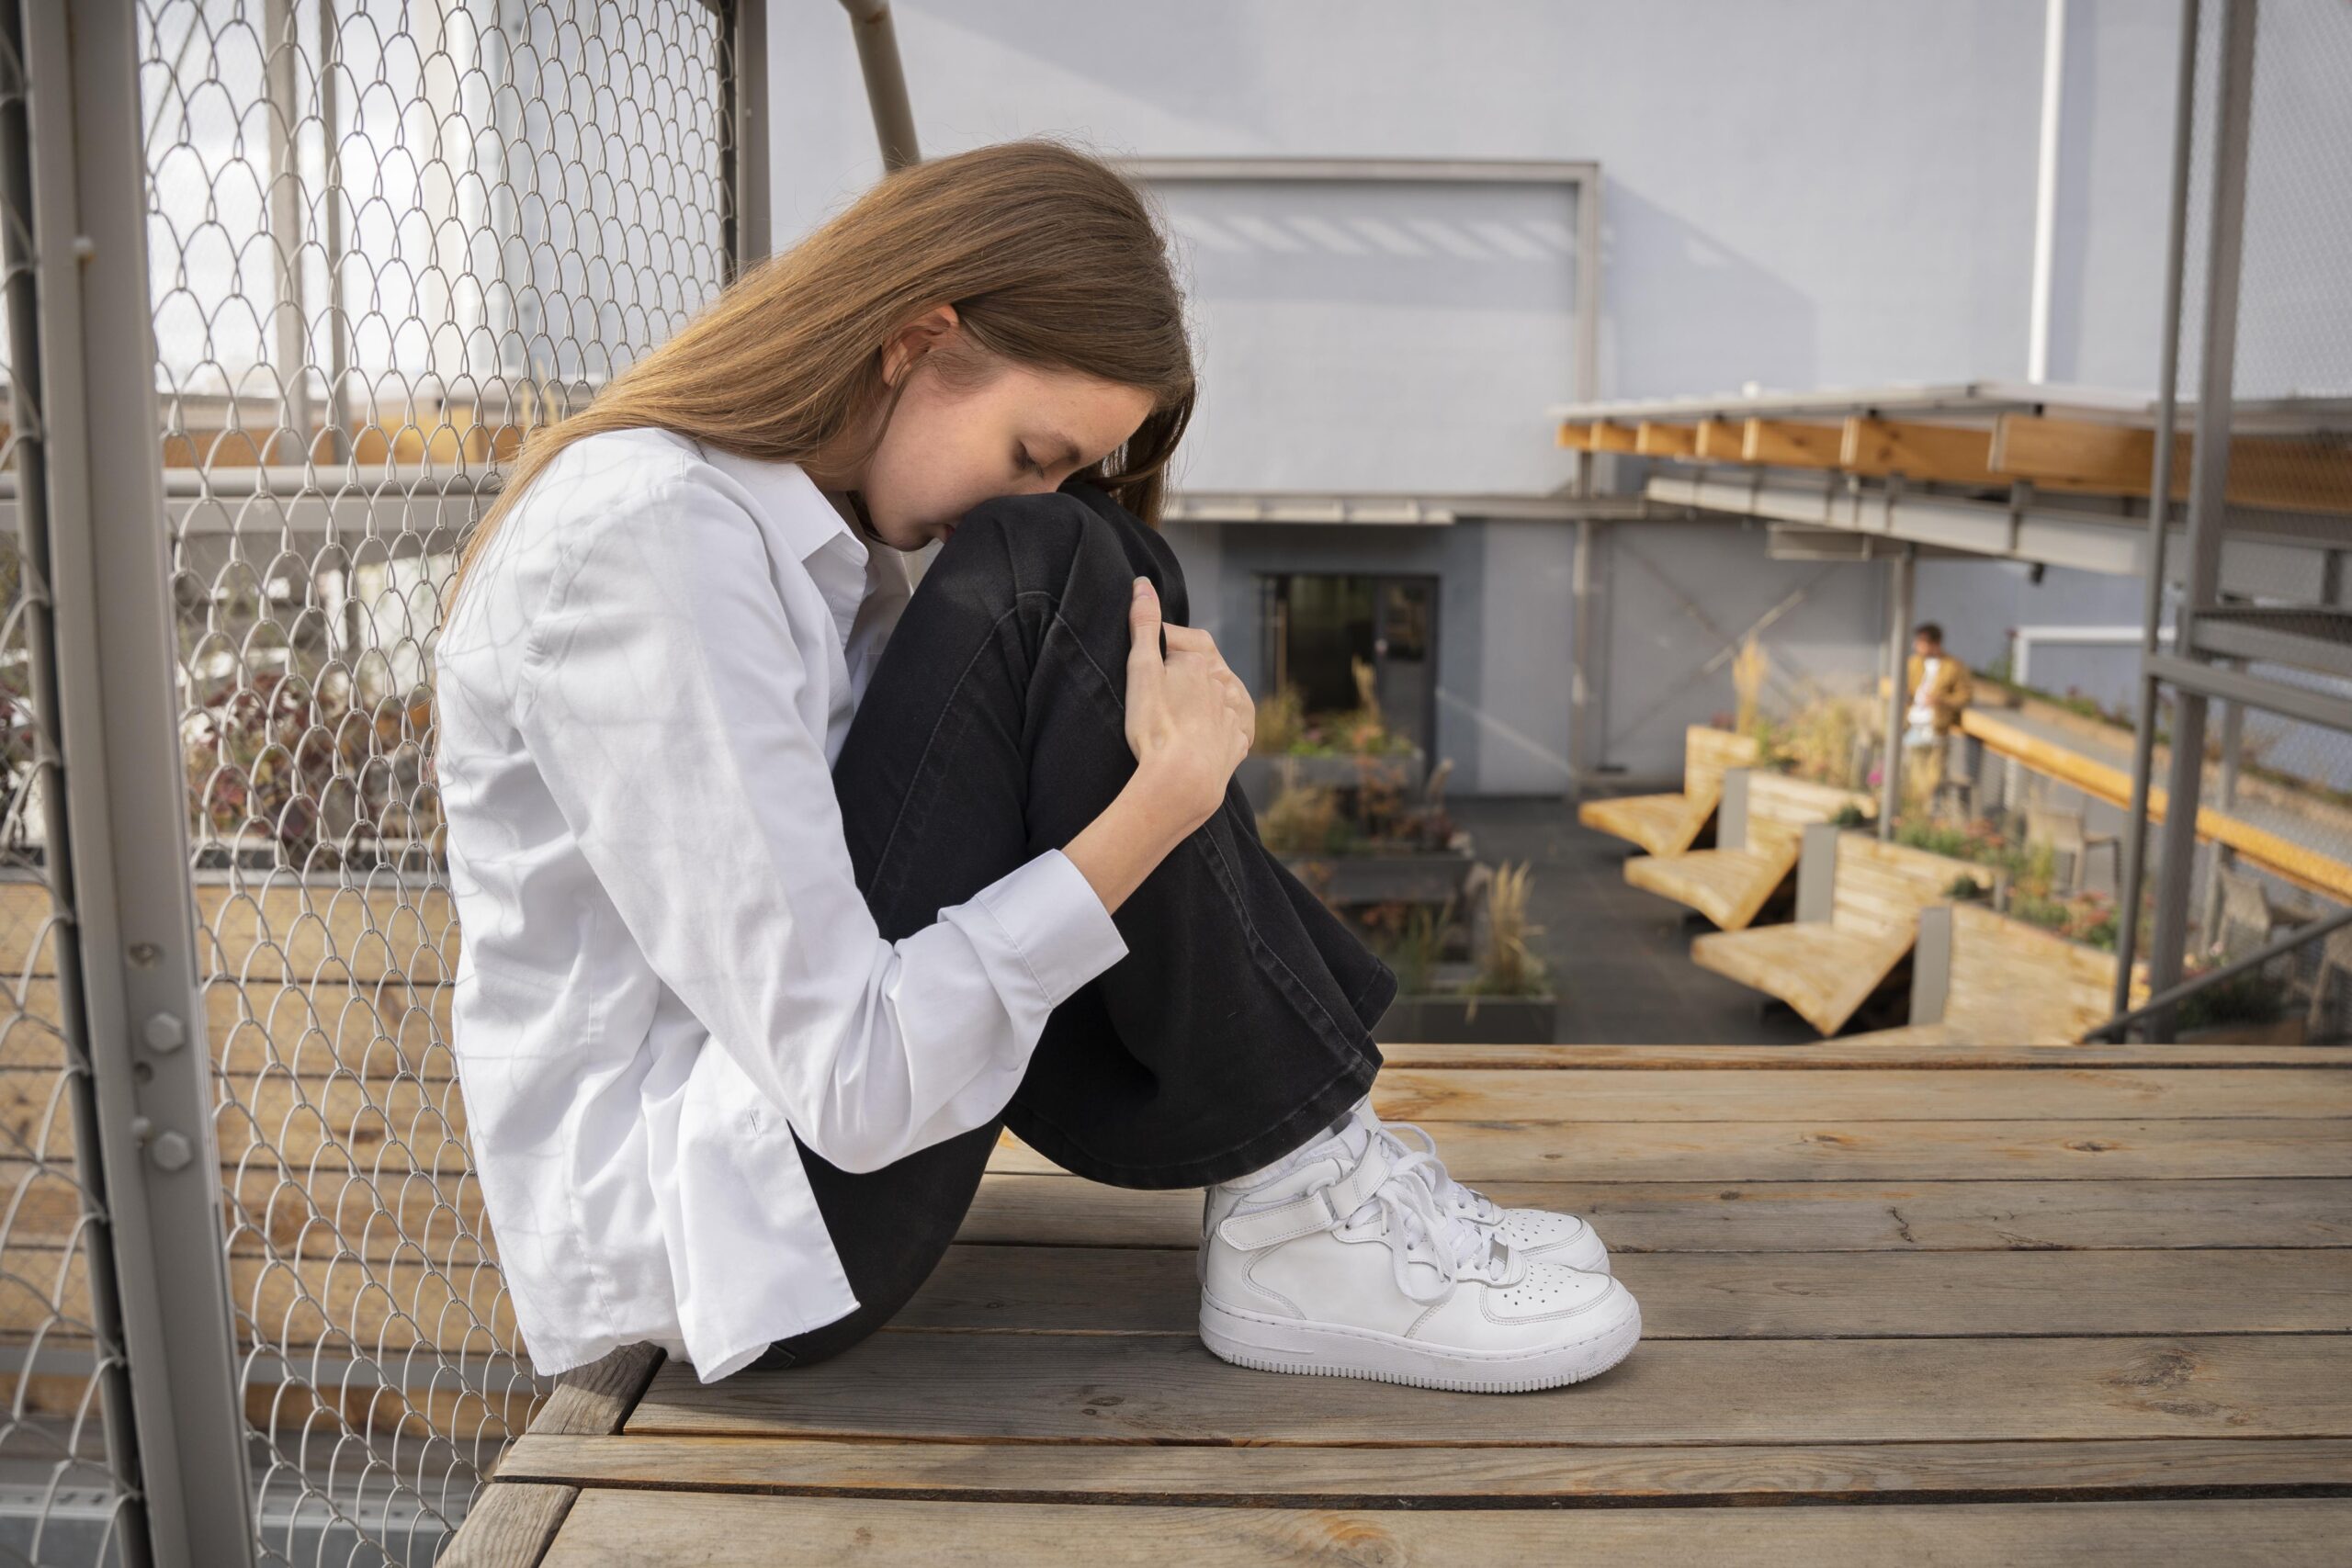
1239	1024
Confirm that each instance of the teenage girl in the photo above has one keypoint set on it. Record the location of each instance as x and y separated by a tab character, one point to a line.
833	778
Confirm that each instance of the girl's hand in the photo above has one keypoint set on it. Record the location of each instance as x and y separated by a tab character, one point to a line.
1190	719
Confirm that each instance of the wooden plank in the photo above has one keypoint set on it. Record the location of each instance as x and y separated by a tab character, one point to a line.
1751	1216
1786	443
1608	438
1148	1388
1363	1475
513	1523
1931	454
1575	437
1076	1290
1825	974
1654	438
2284	473
2291	862
511	1526
1721	440
1728	887
1813	1055
612	1528
597	1398
2056	1150
1658	824
1488	1094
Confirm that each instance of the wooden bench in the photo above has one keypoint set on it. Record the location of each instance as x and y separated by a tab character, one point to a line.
1759	828
1907	1305
1669	824
1980	978
1858	915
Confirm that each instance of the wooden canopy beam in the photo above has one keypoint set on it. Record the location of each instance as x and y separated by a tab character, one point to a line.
2290	474
1654	438
1789	444
1927	453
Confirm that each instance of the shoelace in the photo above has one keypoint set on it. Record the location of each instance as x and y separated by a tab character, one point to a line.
1424	1166
1444	1240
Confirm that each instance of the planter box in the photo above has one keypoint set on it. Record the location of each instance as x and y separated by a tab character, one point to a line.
1261	777
1439	1018
1428	877
2288	1031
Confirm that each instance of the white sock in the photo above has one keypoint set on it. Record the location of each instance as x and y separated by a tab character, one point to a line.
1347	1134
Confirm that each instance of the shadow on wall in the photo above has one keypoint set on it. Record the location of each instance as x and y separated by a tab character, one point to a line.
1680	313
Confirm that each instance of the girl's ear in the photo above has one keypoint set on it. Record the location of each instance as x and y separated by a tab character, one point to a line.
935	328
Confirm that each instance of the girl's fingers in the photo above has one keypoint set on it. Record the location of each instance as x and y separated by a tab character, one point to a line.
1145	670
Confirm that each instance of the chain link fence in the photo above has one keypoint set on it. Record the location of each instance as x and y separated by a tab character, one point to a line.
385	238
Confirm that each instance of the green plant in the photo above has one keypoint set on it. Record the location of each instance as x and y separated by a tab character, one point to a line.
1967	889
1509	967
1411	938
1305	819
1851	816
2246	998
1281	720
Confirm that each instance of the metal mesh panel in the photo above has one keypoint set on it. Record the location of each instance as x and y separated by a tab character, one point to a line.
65	1498
2281	617
386	239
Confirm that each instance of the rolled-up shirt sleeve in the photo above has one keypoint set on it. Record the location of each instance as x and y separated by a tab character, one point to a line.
670	710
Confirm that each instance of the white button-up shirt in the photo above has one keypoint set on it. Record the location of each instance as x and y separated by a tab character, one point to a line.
667	966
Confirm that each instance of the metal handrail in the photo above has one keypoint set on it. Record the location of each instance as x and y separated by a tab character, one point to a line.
2164	1000
886	82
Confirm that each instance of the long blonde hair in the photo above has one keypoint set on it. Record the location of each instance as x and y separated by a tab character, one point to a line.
1050	257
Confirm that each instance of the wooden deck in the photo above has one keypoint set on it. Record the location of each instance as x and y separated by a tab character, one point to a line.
2051	1305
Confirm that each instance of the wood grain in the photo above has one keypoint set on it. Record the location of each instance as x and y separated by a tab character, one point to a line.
1900	1094
1147	1388
1029	1290
1352	1476
610	1527
1751	1216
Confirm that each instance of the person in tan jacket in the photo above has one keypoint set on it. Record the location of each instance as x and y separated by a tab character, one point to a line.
1940	690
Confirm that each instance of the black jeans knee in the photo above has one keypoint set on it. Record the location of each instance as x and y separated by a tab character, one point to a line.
1238	1026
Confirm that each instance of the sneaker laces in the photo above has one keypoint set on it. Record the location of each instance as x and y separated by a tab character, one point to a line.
1423	1165
1421	1231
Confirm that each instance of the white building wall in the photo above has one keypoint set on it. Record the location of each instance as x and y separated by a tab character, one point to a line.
1805	194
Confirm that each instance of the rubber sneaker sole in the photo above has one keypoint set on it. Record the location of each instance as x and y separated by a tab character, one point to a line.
1288	1345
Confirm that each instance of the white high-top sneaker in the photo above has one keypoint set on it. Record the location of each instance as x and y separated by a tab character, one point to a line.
1545	1233
1335	1260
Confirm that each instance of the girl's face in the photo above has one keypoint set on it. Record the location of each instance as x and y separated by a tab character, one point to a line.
956	440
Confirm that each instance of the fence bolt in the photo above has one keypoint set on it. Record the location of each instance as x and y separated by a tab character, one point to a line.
171	1151
164	1032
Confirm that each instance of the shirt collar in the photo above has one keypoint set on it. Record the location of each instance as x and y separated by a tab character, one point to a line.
846	567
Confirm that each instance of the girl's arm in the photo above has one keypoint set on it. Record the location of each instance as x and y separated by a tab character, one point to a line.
659	699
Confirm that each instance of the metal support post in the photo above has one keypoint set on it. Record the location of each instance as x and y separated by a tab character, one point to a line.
2219	857
2208	490
1900	573
19	266
748	179
2129	874
126	802
1582	752
886	82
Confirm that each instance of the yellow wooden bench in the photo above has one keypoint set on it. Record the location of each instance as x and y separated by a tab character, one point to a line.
1980	978
1858	915
1758	829
1669	824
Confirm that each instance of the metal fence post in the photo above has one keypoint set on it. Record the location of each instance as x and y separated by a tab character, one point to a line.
2208	490
125	790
